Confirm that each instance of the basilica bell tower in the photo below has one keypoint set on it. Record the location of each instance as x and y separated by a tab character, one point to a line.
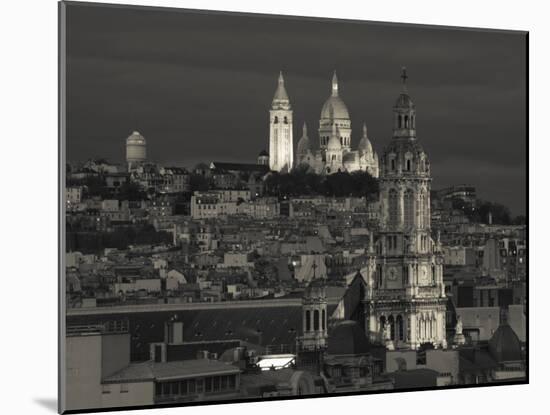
405	299
281	143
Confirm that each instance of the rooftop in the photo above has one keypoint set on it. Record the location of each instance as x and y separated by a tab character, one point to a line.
149	371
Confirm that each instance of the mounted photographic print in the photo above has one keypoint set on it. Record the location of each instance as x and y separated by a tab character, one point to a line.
260	207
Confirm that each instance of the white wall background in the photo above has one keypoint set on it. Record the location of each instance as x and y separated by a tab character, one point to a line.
28	163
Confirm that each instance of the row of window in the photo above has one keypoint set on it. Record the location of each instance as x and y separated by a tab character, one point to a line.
406	121
276	120
319	320
344	141
210	384
409	209
338	371
122	387
408	164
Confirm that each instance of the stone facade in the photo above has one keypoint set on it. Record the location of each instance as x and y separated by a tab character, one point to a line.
405	293
281	143
334	153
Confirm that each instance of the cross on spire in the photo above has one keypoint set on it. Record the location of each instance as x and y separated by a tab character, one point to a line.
404	77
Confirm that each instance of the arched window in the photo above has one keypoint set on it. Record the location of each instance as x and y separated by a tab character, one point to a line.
285	120
379	272
276	120
392	163
408	164
406	121
400	327
392	207
391	322
433	274
382	321
409	208
316	320
308	320
323	321
399	121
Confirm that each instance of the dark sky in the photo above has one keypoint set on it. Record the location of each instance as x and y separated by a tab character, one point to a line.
199	86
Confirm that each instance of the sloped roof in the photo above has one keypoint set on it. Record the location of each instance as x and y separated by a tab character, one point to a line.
148	371
347	338
504	345
277	325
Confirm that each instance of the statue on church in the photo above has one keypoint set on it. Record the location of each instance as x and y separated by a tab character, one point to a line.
458	327
459	338
386	330
412	243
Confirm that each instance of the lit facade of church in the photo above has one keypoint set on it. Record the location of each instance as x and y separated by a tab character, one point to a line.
334	153
405	299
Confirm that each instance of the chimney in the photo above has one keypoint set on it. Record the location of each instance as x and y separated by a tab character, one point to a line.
173	331
157	352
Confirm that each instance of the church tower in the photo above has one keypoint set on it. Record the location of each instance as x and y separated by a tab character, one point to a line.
281	157
314	316
405	297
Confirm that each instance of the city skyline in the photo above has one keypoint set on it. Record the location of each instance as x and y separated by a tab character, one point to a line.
237	281
154	80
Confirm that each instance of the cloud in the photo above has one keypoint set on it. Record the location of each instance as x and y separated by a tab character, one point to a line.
199	86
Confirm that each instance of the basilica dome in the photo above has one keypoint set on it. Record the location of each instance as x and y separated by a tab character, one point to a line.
334	107
347	338
364	144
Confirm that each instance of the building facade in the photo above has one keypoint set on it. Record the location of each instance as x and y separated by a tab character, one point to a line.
335	153
405	299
